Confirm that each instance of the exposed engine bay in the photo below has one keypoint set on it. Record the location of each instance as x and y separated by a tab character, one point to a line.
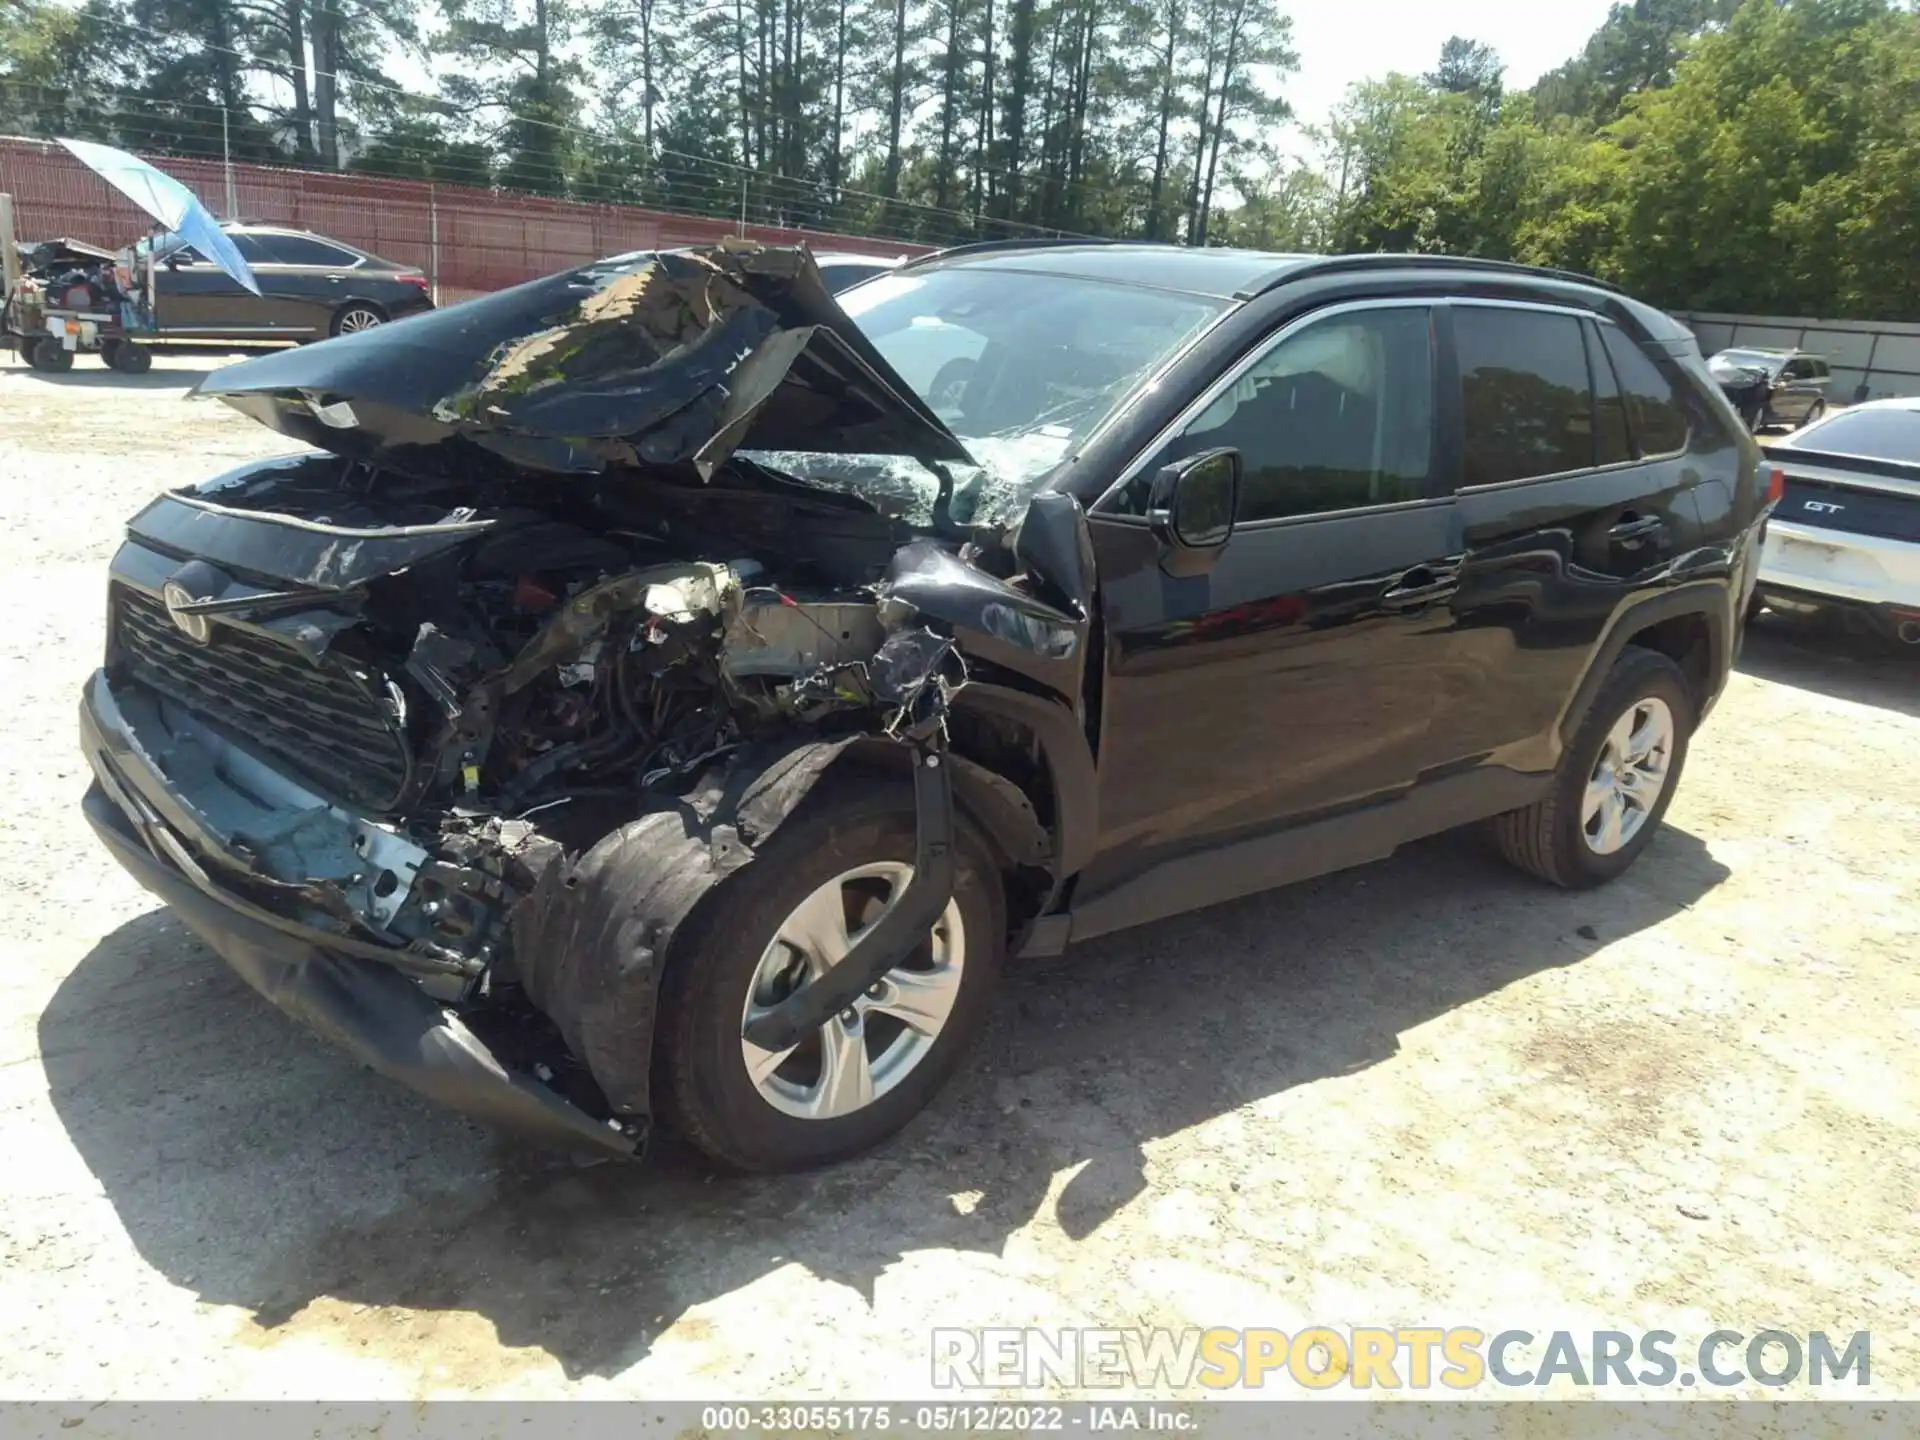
536	678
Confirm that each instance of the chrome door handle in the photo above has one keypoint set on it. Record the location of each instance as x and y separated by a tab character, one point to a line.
1636	527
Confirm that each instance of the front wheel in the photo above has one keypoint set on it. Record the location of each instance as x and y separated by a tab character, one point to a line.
50	355
827	875
1615	780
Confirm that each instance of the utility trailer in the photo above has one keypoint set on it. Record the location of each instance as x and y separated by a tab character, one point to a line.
64	298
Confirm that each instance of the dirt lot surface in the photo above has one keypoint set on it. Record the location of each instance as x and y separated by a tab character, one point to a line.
1425	1092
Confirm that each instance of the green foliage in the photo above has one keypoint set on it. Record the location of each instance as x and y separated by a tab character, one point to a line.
1764	158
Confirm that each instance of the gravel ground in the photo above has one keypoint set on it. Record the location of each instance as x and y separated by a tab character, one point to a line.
1424	1092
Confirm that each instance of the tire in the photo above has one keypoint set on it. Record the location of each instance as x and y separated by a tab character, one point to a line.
707	1092
1816	412
1551	838
358	316
129	358
49	355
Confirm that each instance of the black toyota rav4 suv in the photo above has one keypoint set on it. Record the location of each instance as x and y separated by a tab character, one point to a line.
663	691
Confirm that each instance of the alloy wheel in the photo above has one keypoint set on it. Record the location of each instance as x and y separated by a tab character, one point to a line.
1628	776
870	1047
358	318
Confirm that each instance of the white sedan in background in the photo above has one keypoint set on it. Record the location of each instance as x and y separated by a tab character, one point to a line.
1846	533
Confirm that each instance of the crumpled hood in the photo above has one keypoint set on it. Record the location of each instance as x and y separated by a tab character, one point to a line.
1736	372
666	358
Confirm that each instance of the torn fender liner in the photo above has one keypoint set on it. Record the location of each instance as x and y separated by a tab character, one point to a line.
902	925
663	358
592	939
369	1010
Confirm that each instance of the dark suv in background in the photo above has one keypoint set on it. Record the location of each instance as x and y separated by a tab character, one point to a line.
1773	387
664	688
310	287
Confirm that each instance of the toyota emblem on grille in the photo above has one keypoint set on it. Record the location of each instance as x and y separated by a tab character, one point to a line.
195	627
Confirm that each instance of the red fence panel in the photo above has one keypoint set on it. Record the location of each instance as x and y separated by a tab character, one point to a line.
468	240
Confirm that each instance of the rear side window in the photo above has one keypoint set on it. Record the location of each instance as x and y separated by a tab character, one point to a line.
305	250
1613	444
1654	412
1525	395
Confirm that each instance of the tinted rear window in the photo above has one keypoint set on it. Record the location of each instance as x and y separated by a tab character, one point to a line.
1654	412
1525	394
1875	434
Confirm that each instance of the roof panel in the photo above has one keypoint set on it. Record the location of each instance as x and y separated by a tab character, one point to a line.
1170	267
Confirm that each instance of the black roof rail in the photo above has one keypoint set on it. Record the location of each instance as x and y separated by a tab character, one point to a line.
1034	242
1425	262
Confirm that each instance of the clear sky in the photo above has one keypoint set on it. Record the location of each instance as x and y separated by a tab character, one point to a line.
1341	41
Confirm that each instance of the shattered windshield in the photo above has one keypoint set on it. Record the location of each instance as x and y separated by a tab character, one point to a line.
1020	366
1747	360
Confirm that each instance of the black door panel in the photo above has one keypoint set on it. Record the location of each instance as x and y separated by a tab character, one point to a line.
1285	683
197	297
1545	570
1550	559
1299	676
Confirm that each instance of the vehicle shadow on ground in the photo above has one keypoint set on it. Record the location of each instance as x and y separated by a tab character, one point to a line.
253	1166
1829	659
91	373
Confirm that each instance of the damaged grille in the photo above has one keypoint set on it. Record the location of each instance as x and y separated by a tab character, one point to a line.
331	723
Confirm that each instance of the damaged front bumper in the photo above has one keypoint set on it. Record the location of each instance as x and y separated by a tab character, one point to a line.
357	994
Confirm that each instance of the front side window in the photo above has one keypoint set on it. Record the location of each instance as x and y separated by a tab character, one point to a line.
1526	398
1335	416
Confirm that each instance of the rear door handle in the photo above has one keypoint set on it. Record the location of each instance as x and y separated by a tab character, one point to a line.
1636	527
1421	586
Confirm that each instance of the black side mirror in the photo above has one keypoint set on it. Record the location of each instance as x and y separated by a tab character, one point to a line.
1191	509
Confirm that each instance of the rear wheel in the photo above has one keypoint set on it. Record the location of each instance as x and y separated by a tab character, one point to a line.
827	875
1816	412
1615	780
127	357
356	317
